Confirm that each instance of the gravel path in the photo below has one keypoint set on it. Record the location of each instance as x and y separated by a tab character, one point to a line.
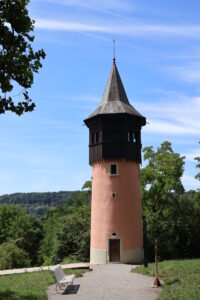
109	282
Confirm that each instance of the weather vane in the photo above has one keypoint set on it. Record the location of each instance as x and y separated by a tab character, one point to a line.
114	50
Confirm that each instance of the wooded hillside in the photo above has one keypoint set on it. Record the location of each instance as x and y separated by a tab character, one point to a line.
36	203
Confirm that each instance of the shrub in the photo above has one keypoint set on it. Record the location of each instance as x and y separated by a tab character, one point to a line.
12	256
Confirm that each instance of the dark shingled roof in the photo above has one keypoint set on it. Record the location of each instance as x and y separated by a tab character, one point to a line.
114	99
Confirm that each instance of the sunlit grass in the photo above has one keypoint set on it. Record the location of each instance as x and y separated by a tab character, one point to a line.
181	278
29	286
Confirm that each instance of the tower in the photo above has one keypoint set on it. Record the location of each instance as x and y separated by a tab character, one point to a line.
115	155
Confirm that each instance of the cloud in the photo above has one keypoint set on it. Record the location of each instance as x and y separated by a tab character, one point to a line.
69	26
94	4
161	127
173	115
191	155
189	74
190	182
124	28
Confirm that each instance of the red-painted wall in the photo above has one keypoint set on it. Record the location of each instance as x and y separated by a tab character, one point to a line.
121	214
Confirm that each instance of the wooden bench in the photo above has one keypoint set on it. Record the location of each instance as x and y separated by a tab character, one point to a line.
62	280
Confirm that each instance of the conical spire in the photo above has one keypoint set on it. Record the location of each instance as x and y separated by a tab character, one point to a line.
114	99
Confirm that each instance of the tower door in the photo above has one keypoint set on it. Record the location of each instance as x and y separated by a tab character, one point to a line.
114	250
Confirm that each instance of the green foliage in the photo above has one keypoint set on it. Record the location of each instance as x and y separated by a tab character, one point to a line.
15	224
72	237
87	185
18	61
177	230
181	278
63	232
36	203
161	178
70	260
12	256
67	231
172	217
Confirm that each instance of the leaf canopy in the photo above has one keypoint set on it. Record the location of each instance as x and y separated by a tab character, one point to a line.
18	60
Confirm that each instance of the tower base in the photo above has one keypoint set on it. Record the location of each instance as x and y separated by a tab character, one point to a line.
130	256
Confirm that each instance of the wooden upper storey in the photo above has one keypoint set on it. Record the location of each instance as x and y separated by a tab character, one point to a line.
115	126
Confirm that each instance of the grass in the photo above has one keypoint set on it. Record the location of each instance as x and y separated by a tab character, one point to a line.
181	278
71	260
29	286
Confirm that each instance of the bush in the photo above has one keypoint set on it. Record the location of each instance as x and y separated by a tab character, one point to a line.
12	256
67	231
16	224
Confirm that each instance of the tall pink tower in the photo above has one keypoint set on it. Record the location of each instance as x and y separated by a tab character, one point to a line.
115	156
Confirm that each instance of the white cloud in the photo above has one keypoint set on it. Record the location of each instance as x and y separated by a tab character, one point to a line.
127	28
172	116
120	5
190	74
162	127
69	26
190	182
191	155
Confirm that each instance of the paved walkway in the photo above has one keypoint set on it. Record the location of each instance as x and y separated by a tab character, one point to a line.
42	268
109	282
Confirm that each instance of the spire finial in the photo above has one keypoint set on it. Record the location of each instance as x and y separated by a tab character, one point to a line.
114	50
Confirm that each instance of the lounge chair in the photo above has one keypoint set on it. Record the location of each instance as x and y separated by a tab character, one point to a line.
62	280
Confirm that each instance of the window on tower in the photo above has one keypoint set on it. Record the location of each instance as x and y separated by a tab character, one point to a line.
131	137
92	138
113	169
117	135
97	137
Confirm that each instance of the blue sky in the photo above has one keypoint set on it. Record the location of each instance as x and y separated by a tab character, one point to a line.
158	58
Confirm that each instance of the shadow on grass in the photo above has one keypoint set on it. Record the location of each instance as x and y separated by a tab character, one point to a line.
173	281
10	295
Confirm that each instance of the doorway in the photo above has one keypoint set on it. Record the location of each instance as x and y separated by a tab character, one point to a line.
114	250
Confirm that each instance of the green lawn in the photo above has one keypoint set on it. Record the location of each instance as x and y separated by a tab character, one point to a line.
29	286
181	278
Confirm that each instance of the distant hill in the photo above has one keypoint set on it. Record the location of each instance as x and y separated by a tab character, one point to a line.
36	203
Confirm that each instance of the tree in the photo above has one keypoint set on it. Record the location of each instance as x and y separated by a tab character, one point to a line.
17	225
73	236
161	189
161	178
67	230
18	61
87	186
13	256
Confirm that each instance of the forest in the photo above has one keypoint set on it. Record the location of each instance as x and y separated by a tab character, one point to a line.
36	203
61	231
